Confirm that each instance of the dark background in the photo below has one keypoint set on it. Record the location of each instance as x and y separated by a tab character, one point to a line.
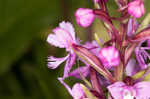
24	26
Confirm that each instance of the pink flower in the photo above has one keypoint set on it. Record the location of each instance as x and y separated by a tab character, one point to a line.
84	16
63	37
136	8
120	90
109	56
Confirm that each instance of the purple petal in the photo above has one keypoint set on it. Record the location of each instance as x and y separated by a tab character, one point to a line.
69	63
116	90
84	71
132	67
128	92
78	92
142	90
68	27
54	62
52	39
63	36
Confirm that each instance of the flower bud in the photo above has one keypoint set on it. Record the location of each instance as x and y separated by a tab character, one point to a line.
109	56
84	16
136	8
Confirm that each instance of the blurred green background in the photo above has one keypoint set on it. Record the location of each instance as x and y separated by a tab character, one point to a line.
24	26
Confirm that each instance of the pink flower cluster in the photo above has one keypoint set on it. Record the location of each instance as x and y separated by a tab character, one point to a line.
119	68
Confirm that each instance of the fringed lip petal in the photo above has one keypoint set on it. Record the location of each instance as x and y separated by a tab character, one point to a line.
54	62
52	39
142	90
69	28
63	35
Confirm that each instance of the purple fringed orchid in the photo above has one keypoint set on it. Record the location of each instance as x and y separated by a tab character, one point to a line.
63	36
109	56
136	8
120	90
84	16
106	67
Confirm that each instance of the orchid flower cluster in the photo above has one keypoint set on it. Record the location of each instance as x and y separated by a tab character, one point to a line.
119	69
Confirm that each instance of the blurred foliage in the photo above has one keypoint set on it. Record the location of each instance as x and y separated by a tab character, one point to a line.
24	26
